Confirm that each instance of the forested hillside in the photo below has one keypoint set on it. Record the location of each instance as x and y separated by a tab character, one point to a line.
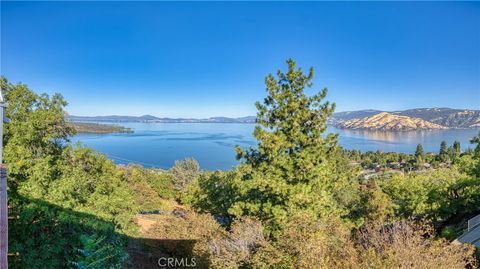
297	200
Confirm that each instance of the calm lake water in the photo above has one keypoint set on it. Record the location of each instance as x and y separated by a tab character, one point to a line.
212	144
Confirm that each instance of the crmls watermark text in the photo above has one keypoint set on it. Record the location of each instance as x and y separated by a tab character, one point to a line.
176	262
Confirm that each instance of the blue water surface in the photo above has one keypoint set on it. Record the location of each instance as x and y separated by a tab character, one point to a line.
212	144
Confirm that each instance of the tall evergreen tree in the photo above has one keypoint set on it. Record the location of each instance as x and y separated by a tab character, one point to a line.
457	148
294	169
454	151
419	155
443	154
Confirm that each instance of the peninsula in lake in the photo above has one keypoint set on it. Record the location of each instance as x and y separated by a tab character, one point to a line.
96	128
405	120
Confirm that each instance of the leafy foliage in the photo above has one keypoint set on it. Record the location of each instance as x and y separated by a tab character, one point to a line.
49	236
213	192
151	186
437	195
64	193
374	205
475	170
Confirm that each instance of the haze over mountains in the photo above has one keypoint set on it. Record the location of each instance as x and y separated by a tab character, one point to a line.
405	120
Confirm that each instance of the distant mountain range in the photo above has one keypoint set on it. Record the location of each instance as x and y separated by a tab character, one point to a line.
150	118
405	120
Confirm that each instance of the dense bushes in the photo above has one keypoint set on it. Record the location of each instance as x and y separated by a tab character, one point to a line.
405	244
304	243
437	195
150	186
49	236
72	201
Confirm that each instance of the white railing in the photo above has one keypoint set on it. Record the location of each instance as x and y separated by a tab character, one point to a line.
473	222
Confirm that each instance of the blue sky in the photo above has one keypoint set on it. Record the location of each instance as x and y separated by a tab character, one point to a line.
202	59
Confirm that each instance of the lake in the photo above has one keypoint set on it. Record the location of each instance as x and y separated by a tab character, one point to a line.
212	144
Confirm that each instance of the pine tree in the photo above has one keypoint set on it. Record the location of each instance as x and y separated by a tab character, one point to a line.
419	155
294	169
443	154
456	147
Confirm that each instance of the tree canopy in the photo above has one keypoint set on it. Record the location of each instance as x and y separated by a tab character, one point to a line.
72	201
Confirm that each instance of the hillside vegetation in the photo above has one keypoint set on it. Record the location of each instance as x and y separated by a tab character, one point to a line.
297	200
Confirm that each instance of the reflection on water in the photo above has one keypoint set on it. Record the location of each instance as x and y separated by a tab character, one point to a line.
402	141
394	137
385	136
212	144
